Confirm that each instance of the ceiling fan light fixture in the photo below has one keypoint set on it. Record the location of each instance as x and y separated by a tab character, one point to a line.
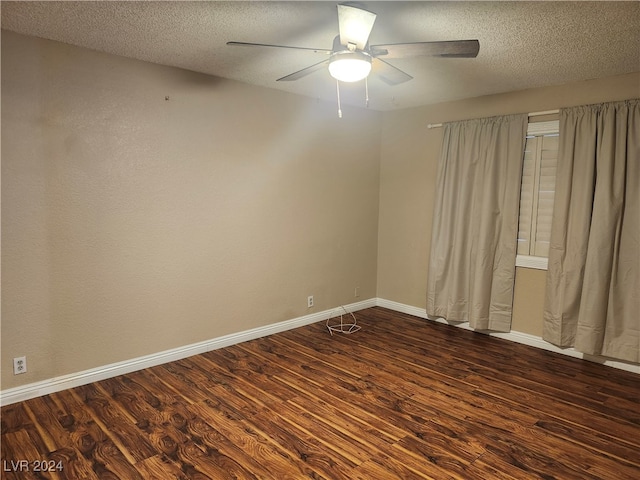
348	66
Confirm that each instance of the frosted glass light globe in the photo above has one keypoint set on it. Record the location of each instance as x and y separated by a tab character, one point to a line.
348	66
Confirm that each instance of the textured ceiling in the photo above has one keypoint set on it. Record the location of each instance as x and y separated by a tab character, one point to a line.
522	44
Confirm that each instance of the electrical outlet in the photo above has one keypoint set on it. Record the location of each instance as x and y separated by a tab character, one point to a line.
19	365
310	301
356	292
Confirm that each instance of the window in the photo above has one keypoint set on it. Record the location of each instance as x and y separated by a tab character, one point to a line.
537	194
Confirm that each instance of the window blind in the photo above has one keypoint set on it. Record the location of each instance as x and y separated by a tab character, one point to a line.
538	189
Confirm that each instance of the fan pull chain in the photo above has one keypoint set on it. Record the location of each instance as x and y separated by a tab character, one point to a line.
366	92
338	92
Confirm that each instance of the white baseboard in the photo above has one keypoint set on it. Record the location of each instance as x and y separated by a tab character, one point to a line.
518	337
56	384
402	308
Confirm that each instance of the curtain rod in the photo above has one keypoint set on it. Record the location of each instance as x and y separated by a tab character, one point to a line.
532	114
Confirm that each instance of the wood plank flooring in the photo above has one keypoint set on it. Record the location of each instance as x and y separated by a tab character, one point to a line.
401	398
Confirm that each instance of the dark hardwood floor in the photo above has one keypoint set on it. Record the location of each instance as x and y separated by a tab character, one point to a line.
401	398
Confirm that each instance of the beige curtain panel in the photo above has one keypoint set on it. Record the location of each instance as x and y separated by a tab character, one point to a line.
474	233
593	280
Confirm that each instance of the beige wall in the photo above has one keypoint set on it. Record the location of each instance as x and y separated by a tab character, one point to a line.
132	224
409	155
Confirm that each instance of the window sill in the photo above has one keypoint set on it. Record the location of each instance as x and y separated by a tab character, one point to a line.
526	261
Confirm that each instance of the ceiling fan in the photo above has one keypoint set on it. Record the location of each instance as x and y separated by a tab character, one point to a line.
351	59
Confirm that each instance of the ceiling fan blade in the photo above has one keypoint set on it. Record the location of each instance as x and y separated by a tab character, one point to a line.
304	72
355	25
388	73
453	48
245	44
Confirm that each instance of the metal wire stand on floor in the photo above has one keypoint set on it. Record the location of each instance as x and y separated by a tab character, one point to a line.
342	327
